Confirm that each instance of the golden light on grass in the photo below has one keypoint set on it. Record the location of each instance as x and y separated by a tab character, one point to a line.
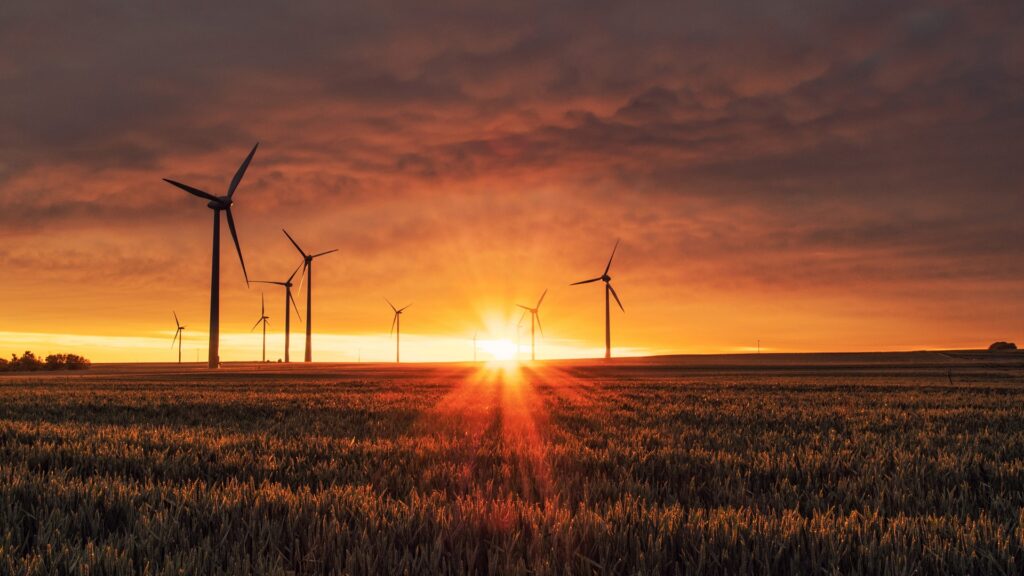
493	467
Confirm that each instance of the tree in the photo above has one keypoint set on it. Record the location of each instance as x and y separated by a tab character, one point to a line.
29	362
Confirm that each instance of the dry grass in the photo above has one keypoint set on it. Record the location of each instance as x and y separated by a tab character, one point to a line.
630	469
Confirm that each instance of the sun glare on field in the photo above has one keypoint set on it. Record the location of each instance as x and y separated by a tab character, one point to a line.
499	349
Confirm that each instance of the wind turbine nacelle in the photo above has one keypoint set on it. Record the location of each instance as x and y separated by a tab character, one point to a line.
222	203
606	278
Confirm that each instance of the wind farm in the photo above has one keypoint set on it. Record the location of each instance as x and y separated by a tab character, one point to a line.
813	211
530	428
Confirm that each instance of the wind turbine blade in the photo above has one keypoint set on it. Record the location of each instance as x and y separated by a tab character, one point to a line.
297	314
263	305
585	281
521	318
176	322
537	316
609	266
267	282
392	305
403	309
238	247
616	297
393	320
296	244
256	324
175	339
523	307
302	276
542	298
293	273
191	190
323	253
241	171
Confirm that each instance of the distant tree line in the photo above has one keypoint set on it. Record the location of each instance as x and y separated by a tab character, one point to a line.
29	362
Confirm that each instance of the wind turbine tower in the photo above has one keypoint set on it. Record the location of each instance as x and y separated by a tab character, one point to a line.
608	290
288	299
307	267
178	336
263	320
534	319
396	329
219	204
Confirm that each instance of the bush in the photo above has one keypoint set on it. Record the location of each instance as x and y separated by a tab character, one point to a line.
1003	346
66	361
28	362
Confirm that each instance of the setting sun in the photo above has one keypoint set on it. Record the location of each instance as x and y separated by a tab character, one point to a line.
499	349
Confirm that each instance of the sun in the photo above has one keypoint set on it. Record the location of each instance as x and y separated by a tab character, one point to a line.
499	349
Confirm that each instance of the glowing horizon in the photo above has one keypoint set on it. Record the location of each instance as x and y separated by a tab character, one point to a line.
372	348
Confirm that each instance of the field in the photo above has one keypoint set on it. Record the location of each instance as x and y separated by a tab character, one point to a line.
813	464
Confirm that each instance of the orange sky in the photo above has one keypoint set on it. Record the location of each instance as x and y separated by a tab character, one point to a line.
816	177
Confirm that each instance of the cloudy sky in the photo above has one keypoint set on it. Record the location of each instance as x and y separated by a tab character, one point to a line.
818	175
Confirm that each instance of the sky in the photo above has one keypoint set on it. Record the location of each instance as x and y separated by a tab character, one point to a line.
819	176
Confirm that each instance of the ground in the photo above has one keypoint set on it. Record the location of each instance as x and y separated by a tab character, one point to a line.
871	464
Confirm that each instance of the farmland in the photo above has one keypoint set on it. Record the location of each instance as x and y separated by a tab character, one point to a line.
871	464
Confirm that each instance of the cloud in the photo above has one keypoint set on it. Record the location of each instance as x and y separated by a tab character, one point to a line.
735	145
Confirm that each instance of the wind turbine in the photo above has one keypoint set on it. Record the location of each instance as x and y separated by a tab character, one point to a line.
396	329
607	308
177	335
534	317
307	267
263	319
219	204
288	299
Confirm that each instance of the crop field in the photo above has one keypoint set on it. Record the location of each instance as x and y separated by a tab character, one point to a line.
858	464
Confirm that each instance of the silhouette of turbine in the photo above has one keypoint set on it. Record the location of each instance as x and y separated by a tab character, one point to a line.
288	298
607	308
263	319
219	204
534	317
307	267
177	335
396	329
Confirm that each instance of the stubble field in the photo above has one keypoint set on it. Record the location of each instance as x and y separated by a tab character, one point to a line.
870	464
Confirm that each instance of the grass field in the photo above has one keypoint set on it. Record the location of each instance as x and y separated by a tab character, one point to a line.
818	464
